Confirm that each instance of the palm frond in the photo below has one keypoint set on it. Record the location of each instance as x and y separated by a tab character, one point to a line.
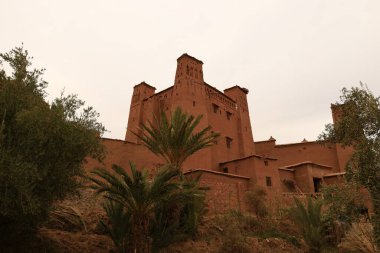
308	219
174	139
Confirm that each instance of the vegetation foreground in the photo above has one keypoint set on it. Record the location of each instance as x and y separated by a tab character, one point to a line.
49	204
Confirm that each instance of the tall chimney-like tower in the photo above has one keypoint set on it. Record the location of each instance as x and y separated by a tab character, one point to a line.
140	93
189	70
239	94
343	153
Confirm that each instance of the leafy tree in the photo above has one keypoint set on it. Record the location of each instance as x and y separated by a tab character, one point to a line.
342	201
148	206
359	127
174	139
42	145
308	218
343	204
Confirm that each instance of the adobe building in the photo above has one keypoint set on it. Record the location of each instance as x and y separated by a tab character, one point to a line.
236	160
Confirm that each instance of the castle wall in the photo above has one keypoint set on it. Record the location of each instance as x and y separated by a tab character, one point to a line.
122	153
287	175
228	117
263	172
265	148
306	151
225	192
234	160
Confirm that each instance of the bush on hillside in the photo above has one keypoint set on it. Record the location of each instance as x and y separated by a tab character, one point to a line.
42	145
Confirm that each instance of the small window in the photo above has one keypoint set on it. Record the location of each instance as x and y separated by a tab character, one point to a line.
215	108
193	103
225	170
229	115
228	142
268	181
266	163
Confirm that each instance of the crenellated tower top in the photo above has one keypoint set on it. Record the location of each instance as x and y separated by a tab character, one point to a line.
189	69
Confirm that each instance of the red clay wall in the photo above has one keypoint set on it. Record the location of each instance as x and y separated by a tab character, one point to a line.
225	192
257	169
289	154
228	116
287	175
121	152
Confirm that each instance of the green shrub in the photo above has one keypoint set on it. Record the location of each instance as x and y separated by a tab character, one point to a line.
342	204
147	215
42	145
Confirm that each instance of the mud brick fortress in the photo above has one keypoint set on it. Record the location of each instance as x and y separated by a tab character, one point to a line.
235	161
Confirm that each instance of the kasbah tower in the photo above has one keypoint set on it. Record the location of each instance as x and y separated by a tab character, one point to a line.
235	161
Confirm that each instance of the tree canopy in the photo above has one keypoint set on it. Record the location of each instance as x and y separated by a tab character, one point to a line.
42	145
358	126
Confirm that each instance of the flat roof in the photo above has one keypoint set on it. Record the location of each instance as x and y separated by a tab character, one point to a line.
245	90
305	162
221	93
251	156
216	173
189	56
144	83
335	174
118	140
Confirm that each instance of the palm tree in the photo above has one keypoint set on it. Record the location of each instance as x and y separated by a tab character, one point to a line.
142	201
174	139
118	224
308	219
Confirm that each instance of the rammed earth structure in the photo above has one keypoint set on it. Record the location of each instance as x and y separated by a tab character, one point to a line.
236	160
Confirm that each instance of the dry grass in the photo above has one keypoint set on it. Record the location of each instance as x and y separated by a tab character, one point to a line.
73	228
67	217
72	242
359	239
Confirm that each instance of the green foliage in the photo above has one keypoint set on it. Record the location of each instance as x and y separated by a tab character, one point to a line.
359	127
308	219
174	139
154	208
256	201
42	145
343	202
168	208
118	225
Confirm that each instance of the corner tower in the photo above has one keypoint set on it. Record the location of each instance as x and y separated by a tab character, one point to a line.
141	92
189	88
244	129
189	69
343	153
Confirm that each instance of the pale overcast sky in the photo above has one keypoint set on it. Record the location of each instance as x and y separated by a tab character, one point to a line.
294	56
